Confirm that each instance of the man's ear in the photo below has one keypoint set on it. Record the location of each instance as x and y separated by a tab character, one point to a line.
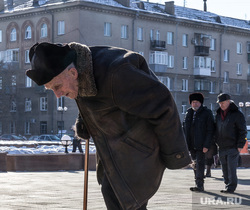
73	72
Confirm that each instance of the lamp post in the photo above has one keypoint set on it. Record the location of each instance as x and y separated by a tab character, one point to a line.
66	141
62	109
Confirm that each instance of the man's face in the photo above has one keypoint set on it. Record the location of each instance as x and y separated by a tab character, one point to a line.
64	84
195	105
224	104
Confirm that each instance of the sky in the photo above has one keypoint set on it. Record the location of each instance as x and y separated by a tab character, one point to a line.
230	8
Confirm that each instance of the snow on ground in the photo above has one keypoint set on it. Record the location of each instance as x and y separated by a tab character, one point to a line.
33	147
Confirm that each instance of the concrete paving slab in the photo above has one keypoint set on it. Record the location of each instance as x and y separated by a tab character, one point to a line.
64	190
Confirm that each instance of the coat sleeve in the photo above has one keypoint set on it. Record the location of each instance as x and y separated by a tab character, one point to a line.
242	130
209	130
140	93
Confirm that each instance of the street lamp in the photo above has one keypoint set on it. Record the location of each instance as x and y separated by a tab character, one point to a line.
66	141
62	110
246	105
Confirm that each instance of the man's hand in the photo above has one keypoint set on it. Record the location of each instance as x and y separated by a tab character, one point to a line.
239	149
205	150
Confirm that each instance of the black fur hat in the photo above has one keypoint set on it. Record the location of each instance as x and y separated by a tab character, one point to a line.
196	97
48	60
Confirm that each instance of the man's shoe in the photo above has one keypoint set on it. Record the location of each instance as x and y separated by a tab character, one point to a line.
208	175
227	191
197	189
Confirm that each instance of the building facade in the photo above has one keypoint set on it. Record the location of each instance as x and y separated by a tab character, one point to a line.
189	50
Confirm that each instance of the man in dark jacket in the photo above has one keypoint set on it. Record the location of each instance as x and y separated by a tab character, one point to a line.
130	115
199	127
230	137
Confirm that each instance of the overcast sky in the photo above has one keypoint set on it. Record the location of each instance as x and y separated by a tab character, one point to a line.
230	8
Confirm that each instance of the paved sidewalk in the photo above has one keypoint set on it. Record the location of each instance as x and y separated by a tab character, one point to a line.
64	190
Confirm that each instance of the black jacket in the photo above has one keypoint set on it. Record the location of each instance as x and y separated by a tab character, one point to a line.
231	132
132	119
203	129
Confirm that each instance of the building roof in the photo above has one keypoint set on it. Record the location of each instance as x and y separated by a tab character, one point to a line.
180	12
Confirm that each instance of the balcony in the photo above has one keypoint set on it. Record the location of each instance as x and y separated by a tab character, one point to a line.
201	51
157	45
202	72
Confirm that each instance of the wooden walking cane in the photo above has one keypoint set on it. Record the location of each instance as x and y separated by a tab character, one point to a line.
86	164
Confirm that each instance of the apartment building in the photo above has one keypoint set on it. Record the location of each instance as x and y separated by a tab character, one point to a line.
189	50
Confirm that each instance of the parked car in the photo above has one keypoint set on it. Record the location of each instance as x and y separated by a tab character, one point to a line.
11	137
35	137
48	137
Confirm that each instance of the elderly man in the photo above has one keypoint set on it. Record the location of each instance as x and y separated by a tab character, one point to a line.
230	137
199	129
130	115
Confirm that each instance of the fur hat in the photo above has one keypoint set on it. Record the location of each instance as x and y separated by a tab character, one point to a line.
49	60
223	97
196	97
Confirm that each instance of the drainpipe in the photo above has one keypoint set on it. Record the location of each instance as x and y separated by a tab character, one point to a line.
220	61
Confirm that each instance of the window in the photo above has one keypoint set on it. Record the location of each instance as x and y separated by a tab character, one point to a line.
201	84
239	69
238	89
61	27
12	55
107	29
28	107
239	48
226	55
28	82
226	77
60	102
44	30
171	61
1	83
1	36
184	63
213	44
12	127
27	128
152	34
170	38
212	87
248	47
158	57
184	40
124	31
157	35
166	81
140	34
13	35
27	59
184	85
213	66
43	104
43	127
28	33
184	107
13	105
202	62
13	80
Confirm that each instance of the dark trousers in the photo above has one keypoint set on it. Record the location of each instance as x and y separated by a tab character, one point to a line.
199	157
229	162
77	144
110	198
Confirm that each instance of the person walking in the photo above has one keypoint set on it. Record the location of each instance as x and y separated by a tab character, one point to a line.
230	136
198	126
130	115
